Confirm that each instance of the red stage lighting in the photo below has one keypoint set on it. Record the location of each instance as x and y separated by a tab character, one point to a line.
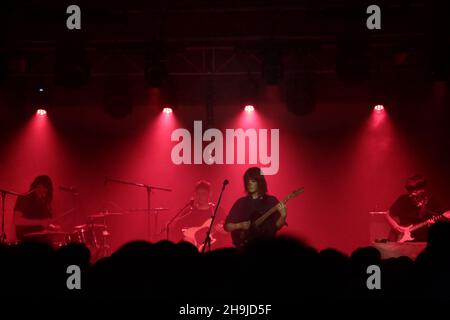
249	108
378	107
167	110
41	112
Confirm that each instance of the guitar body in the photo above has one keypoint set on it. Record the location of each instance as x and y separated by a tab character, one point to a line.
189	234
405	236
242	237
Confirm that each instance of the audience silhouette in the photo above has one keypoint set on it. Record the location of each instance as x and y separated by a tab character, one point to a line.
272	269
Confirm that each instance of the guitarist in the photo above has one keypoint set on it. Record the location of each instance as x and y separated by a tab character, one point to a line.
413	207
199	214
257	202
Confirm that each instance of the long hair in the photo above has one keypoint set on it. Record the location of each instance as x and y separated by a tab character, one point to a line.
255	173
46	181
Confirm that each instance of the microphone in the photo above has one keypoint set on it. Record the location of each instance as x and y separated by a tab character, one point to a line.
225	182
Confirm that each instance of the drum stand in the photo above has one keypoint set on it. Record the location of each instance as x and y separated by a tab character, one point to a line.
99	246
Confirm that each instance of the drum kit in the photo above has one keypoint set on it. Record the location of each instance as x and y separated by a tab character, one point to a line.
94	234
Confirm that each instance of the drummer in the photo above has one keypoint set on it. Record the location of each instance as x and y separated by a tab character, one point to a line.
33	212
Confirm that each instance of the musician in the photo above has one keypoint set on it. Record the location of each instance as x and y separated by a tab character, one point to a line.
32	212
413	207
256	202
199	214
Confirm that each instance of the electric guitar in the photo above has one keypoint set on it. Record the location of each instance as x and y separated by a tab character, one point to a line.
405	234
189	234
257	223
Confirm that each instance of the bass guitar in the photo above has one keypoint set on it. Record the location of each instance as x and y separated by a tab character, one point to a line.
258	227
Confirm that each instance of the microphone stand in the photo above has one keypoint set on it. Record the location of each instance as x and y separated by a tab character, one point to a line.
148	188
4	193
175	217
207	241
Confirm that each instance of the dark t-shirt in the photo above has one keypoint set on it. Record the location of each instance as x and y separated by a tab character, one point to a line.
32	208
246	207
408	213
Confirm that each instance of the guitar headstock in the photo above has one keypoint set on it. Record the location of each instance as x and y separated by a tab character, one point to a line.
293	194
446	214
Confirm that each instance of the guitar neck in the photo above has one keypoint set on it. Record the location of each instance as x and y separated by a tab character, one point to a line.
423	224
268	213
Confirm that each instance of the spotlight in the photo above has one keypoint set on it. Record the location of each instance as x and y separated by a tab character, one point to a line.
249	92
167	110
378	107
167	102
41	89
249	108
41	112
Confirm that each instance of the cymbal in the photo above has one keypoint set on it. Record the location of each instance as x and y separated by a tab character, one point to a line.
90	225
145	210
104	214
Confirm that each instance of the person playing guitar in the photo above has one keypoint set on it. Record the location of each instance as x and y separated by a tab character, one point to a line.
412	213
33	213
247	209
194	223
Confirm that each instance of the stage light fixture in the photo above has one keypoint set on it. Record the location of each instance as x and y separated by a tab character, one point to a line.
378	107
249	108
41	112
167	110
249	92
